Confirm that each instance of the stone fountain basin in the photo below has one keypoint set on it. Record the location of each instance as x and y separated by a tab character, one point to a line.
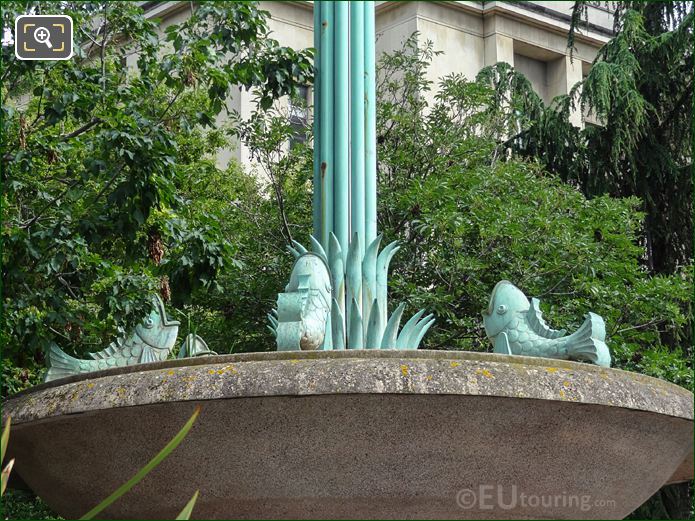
355	434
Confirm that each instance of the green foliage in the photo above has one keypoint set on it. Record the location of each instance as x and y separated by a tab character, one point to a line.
97	155
465	212
16	378
640	91
261	211
467	219
5	475
670	502
23	504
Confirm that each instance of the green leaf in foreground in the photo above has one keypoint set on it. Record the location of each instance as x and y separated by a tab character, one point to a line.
5	439
146	469
186	512
5	477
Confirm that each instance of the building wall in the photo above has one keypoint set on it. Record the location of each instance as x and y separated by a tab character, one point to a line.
531	36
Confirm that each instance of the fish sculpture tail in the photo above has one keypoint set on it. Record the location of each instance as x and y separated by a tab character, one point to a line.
588	342
61	364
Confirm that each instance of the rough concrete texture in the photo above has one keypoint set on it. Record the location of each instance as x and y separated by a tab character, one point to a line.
363	434
684	472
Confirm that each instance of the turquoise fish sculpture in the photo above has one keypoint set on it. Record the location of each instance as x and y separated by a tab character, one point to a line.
338	300
302	310
150	341
515	326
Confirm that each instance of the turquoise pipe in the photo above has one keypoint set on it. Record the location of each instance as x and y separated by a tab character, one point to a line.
370	123
326	99
316	198
357	120
341	125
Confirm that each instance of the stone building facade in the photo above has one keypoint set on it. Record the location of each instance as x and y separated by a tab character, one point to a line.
531	36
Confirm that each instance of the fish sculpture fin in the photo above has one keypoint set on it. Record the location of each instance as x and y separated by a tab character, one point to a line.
535	320
112	350
60	364
148	355
588	343
502	345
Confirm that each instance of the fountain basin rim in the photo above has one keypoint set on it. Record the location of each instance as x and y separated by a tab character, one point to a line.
307	373
425	354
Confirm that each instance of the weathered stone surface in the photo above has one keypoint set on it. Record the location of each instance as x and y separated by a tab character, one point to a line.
357	434
684	472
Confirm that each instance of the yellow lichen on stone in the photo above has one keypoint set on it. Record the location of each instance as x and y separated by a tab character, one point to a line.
170	372
551	369
566	383
562	394
484	372
404	370
455	364
211	371
90	385
429	376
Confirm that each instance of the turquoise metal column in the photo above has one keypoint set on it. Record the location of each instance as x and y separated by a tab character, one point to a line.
357	119
326	165
337	297
354	303
370	122
369	118
341	125
316	201
341	156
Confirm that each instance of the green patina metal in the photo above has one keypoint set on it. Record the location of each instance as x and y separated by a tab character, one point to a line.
300	320
337	296
150	341
321	287
515	326
351	312
193	345
370	123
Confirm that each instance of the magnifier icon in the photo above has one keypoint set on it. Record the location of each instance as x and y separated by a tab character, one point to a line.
43	35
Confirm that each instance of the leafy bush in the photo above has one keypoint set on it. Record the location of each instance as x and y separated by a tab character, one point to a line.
23	504
96	155
467	218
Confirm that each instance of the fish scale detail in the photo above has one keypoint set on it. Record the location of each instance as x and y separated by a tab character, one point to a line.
150	341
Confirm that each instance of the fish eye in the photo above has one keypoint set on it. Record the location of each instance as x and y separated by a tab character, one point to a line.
501	309
149	323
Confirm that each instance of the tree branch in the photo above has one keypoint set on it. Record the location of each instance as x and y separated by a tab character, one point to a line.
84	128
48	205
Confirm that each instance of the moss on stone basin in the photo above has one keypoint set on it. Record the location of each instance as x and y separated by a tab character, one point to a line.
356	434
